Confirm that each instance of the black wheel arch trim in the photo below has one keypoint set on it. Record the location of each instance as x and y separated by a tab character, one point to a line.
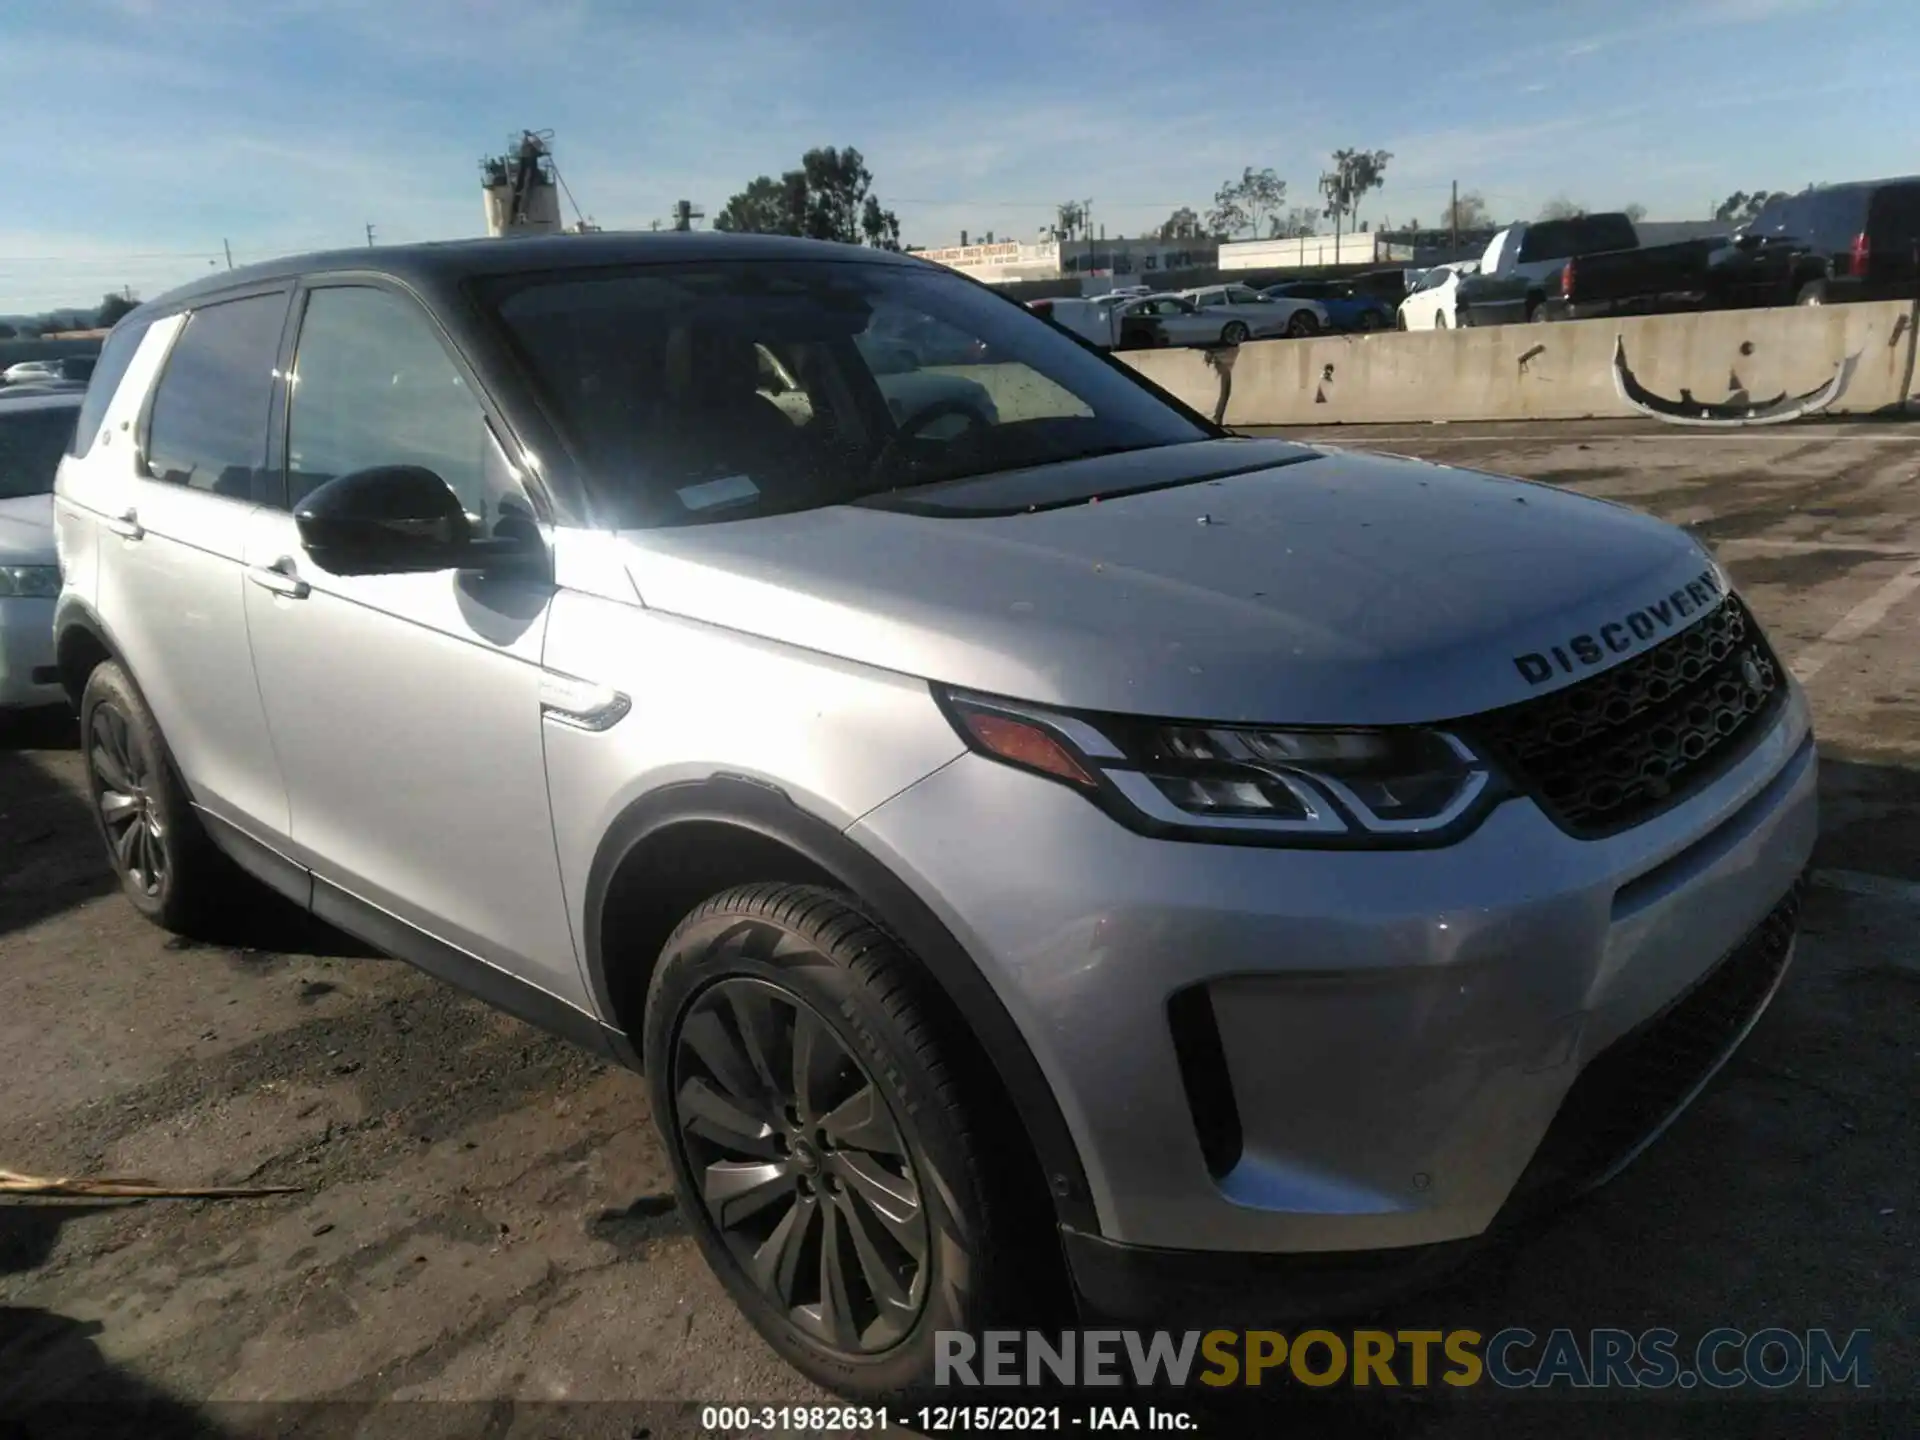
71	614
769	812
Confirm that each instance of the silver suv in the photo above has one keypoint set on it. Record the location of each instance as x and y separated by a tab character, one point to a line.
1021	831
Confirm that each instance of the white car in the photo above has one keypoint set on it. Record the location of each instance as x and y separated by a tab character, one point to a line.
34	431
1432	303
30	372
1245	314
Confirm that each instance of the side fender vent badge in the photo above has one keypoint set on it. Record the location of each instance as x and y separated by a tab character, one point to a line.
581	704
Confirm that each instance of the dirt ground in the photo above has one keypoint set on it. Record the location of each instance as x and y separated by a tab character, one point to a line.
484	1214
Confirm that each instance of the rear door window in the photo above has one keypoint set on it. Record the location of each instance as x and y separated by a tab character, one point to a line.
108	371
208	428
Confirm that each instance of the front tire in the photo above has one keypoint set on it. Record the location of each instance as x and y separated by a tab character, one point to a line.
1812	293
155	843
1233	333
1439	319
827	1157
1302	325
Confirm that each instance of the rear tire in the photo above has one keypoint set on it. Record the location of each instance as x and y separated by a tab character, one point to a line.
155	843
1439	319
853	1206
1370	320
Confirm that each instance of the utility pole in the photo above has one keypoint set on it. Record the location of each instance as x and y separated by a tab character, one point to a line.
224	245
1453	218
369	234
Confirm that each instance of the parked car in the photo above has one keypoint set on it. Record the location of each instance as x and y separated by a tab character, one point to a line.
987	881
27	372
1109	322
1643	281
60	370
1245	314
34	431
1827	245
1347	307
1433	301
1523	265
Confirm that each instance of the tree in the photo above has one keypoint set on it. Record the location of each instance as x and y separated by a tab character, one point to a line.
1561	208
1294	224
1183	224
1469	212
828	198
1248	204
1742	205
881	228
112	307
1636	212
1070	220
760	209
1354	173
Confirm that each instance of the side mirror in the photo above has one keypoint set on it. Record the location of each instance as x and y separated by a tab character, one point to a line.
395	520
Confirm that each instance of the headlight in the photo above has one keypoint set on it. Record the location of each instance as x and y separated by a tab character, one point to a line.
42	581
1251	784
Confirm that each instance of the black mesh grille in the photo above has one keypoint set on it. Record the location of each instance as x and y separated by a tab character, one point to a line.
1618	748
1636	1085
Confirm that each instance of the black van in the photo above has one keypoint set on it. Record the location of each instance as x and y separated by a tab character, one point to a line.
1829	244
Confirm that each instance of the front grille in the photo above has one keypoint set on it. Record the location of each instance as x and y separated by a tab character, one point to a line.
1623	745
1629	1092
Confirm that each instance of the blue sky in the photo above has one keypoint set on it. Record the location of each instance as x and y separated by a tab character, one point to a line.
162	127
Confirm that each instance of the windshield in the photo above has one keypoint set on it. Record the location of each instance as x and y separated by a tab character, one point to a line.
31	444
722	390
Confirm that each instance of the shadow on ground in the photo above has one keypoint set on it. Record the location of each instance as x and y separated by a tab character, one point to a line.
51	858
55	1384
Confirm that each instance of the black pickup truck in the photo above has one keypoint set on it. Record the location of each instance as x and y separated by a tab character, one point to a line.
1585	266
1645	281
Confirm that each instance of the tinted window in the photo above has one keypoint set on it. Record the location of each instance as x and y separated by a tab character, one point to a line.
105	378
1586	235
31	442
909	376
209	423
1894	217
373	385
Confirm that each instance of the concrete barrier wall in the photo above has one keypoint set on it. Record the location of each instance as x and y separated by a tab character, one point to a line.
1555	372
1187	375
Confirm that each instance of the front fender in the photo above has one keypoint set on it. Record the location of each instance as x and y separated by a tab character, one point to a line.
764	810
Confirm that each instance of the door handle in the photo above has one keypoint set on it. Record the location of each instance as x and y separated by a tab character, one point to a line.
279	581
126	524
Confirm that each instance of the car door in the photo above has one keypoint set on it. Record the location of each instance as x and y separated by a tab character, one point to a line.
406	708
172	554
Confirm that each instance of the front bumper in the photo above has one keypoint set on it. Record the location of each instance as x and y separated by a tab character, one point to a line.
1392	1032
27	675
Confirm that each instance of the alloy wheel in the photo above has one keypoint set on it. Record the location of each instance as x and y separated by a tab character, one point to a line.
124	781
800	1164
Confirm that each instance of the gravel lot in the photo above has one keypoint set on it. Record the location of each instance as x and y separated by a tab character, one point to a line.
484	1214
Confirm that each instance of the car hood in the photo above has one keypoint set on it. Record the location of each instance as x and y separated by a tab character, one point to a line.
26	530
1240	580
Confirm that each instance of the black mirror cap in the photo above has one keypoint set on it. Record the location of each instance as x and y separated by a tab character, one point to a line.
387	520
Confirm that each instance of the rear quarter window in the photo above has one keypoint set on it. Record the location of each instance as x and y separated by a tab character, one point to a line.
108	371
1894	216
